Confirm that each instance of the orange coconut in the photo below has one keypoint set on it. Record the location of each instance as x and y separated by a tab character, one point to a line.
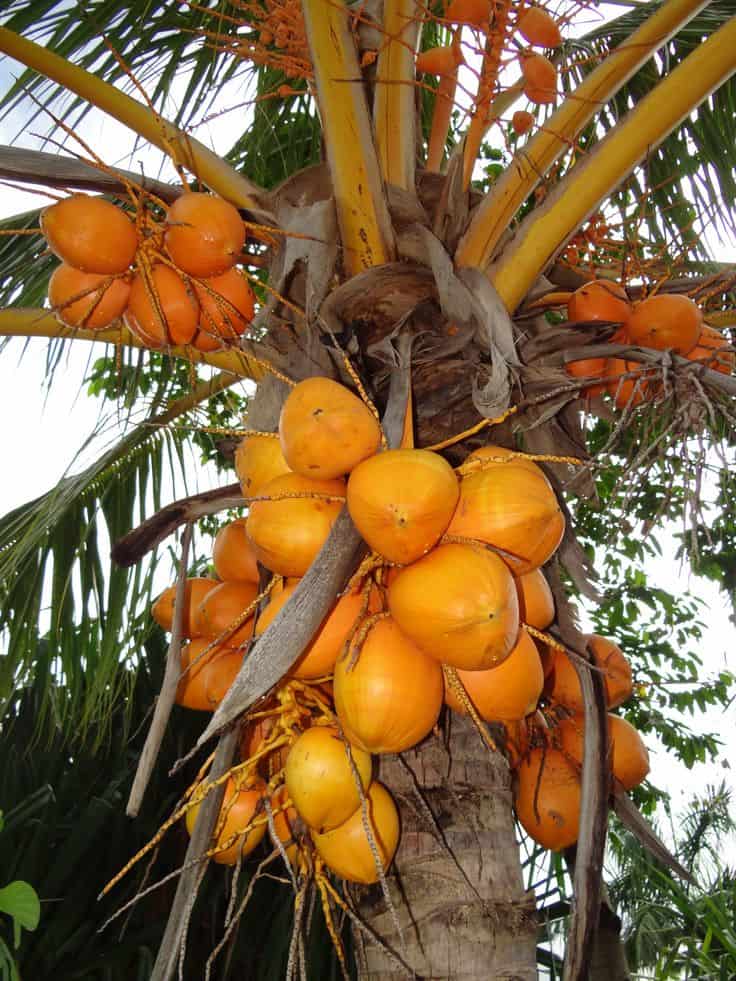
206	679
538	28
547	798
255	734
227	305
505	693
288	531
258	459
563	685
668	320
319	657
90	234
459	604
522	121
599	300
629	755
540	78
593	368
401	502
326	430
629	392
391	697
205	234
513	508
440	61
90	300
536	604
196	589
222	608
162	309
320	780
712	350
232	553
347	850
496	456
475	13
243	797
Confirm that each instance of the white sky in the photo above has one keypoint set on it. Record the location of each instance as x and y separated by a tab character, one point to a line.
47	429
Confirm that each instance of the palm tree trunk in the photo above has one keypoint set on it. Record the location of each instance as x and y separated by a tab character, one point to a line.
456	883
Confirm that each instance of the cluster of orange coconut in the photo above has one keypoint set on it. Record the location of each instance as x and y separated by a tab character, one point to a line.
173	281
664	321
444	609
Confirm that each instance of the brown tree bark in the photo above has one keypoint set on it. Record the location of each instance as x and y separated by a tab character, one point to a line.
456	883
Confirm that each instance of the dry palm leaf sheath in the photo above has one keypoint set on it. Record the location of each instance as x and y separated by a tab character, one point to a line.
448	260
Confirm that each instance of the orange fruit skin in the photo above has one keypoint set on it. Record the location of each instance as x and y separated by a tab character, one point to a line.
590	368
439	61
563	686
320	780
204	685
287	534
496	456
224	317
401	502
392	696
536	603
599	300
711	349
629	755
629	392
540	79
179	307
232	554
459	604
90	234
537	27
506	693
196	589
205	234
325	430
668	320
239	806
347	849
319	657
258	459
221	607
522	121
512	507
472	12
100	305
550	778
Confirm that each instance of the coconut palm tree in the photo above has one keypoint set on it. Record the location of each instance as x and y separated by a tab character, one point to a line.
380	261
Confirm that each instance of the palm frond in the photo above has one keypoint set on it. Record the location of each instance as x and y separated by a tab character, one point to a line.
25	262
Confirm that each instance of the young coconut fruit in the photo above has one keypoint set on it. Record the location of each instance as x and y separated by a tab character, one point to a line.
90	234
713	350
512	507
162	309
288	530
391	697
540	79
563	685
195	591
90	300
258	460
241	828
206	677
348	851
459	604
599	299
521	122
536	603
326	430
474	13
319	657
223	608
629	392
320	780
227	306
537	27
205	234
506	693
442	60
629	755
547	798
232	554
667	320
401	502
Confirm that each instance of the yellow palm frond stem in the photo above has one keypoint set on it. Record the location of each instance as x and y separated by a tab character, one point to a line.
514	186
444	100
36	322
183	149
541	234
394	115
362	213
